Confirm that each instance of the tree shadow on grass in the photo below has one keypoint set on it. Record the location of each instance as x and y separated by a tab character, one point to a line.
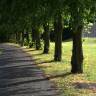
37	54
59	75
29	50
43	62
85	85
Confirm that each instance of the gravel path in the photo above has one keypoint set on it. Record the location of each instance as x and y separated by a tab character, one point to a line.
19	76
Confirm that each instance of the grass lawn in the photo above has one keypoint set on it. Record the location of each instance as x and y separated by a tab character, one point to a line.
59	72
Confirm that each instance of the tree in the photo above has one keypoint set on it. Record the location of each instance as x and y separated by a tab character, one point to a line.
58	29
58	7
46	37
38	44
77	10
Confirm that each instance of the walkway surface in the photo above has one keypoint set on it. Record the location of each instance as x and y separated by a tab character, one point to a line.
19	76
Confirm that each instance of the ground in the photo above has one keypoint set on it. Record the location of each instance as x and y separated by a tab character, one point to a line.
59	72
19	76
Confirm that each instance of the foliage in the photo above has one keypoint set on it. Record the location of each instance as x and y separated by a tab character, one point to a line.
25	13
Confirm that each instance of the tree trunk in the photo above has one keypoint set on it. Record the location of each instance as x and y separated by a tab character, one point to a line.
46	37
18	37
77	52
38	44
27	37
22	41
58	28
33	37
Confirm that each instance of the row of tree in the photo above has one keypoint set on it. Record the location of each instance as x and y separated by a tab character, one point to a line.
20	17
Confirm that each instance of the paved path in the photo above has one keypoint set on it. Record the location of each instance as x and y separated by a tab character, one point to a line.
19	76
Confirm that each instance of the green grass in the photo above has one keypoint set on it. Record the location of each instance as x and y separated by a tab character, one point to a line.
58	70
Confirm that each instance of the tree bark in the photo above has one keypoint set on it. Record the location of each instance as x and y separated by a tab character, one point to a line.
77	52
27	37
18	37
16	34
22	41
38	44
33	37
58	28
46	38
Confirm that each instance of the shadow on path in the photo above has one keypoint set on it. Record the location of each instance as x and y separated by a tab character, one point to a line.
19	76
